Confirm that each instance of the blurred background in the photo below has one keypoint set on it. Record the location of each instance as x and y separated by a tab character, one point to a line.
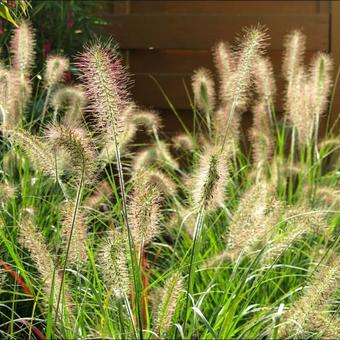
163	42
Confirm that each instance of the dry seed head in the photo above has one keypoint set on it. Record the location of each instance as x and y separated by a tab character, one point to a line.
300	318
56	66
224	63
157	154
169	295
79	148
72	100
294	50
204	90
144	210
31	239
210	179
250	47
14	95
183	142
77	252
221	119
264	78
106	85
22	48
148	119
257	213
321	82
39	153
7	192
328	195
113	262
163	182
298	106
261	134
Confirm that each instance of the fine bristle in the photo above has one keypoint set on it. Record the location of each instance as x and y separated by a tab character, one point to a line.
183	142
224	63
79	148
77	223
106	84
144	210
301	317
166	308
71	100
150	120
204	90
210	179
22	48
113	262
56	66
264	78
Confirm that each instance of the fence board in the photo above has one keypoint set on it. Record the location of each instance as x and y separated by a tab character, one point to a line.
145	31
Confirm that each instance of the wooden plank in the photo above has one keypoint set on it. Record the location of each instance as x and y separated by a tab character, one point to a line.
335	50
201	31
227	7
146	92
185	61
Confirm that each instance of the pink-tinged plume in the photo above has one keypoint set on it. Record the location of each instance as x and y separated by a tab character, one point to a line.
106	85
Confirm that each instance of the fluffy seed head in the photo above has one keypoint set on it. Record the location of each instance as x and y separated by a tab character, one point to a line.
78	147
22	48
144	210
295	46
113	262
31	239
264	78
106	85
204	90
55	68
301	317
38	152
157	154
257	213
169	296
250	48
163	182
261	135
183	142
150	120
7	192
224	63
210	179
72	100
77	252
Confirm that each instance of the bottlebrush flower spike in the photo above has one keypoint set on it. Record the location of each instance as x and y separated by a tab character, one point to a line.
144	210
149	119
37	151
163	182
113	262
22	48
264	78
77	252
210	178
72	100
56	66
31	239
224	63
79	148
183	142
106	85
295	46
303	315
250	48
169	296
204	90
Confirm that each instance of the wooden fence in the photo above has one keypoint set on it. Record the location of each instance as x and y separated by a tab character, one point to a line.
168	40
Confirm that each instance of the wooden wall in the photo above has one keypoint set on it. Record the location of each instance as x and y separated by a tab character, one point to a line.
168	40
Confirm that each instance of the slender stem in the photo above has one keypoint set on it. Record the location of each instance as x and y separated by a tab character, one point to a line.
78	196
48	94
197	230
